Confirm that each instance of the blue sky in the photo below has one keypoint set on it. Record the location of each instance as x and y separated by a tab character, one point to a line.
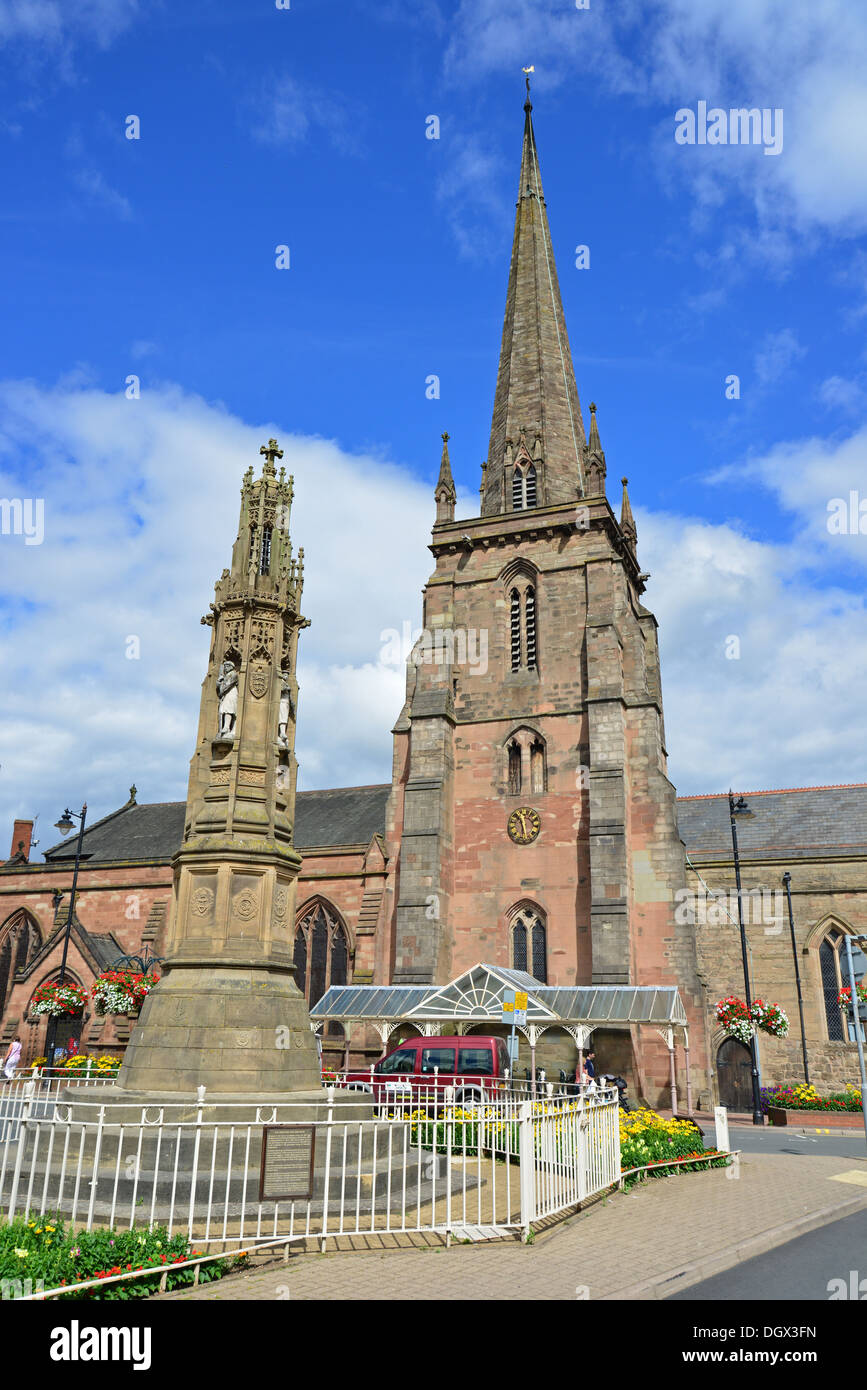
306	127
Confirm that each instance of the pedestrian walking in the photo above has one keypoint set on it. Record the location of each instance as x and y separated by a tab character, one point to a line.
12	1058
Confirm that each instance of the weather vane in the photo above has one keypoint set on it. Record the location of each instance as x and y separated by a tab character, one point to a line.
527	72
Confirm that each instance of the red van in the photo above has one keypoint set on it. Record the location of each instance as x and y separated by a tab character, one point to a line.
419	1068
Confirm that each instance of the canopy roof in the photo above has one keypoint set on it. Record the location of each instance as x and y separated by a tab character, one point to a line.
478	995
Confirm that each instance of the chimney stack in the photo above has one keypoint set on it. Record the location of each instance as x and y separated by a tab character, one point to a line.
22	834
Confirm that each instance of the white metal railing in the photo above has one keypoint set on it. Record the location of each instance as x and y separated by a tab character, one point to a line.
437	1166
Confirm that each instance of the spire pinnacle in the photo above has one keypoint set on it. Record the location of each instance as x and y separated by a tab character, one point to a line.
627	521
594	457
444	493
536	379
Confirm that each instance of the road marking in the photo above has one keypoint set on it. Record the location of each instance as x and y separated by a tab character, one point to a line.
855	1175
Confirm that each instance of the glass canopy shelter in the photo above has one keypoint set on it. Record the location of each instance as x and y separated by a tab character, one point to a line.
476	997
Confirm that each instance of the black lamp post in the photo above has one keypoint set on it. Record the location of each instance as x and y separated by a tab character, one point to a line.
64	825
787	880
739	808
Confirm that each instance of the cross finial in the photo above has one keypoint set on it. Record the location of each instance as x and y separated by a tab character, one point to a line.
592	407
132	791
446	437
271	452
624	481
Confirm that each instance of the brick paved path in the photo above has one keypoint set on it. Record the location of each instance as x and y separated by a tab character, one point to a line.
663	1236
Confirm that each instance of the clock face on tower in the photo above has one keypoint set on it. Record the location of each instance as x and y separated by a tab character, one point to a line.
524	825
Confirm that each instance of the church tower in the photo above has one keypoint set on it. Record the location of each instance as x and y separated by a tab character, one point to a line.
532	823
227	1013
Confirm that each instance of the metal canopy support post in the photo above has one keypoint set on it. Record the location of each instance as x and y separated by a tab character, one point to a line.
689	1109
667	1035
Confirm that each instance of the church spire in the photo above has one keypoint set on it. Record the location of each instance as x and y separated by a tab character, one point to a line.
444	493
536	395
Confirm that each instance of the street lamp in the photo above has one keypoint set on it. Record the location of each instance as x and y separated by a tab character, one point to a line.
739	808
64	825
787	880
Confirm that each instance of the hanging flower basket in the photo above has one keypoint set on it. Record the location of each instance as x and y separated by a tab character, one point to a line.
734	1017
844	998
57	1000
121	991
770	1018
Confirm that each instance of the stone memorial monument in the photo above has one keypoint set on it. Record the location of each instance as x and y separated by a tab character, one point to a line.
227	1013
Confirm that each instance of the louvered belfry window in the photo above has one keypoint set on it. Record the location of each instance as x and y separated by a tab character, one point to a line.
515	619
530	628
517	490
530	490
523	629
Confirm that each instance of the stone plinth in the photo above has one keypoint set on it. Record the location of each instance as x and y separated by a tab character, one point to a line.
240	1029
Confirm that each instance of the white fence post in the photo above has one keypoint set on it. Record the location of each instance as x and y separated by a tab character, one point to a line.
527	1162
26	1107
96	1157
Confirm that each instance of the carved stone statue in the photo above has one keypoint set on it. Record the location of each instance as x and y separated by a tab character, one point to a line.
227	690
287	712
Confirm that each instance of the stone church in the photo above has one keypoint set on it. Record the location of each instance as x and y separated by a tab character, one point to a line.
529	821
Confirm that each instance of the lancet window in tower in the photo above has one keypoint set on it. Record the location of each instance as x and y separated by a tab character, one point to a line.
530	628
530	487
538	779
321	952
524	490
529	943
523	634
517	490
515	607
514	768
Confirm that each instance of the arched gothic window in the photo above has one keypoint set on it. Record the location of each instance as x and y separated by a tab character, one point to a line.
529	943
20	939
524	765
321	952
523	635
831	951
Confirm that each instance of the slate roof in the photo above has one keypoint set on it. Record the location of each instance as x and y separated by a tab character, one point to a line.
791	823
785	824
153	831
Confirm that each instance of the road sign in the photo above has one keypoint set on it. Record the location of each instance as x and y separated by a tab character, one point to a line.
515	1007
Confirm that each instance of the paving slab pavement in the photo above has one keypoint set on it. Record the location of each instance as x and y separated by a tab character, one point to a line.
644	1244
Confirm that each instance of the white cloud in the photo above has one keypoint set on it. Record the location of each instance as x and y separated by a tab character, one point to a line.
841	393
141	502
98	191
470	192
805	58
789	710
284	111
777	352
141	508
55	23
